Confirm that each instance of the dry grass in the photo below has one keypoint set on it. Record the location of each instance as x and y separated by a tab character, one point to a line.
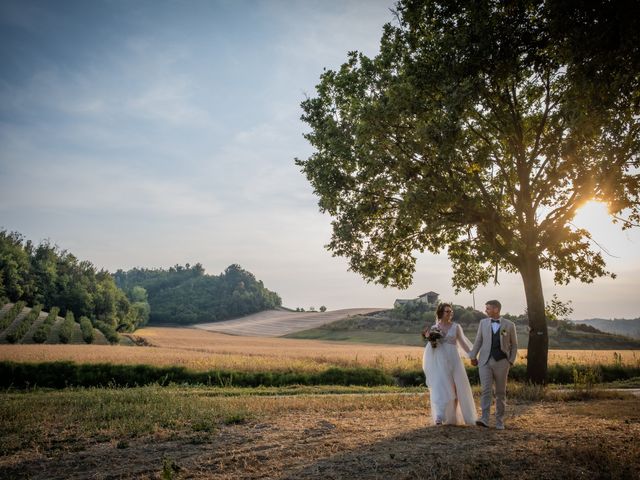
201	350
175	432
188	433
591	357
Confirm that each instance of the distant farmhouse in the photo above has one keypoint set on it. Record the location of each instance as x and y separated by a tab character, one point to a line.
430	298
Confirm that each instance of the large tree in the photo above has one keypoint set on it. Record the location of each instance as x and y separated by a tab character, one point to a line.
480	128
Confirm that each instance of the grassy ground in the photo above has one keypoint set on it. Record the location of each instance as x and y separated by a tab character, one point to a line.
176	432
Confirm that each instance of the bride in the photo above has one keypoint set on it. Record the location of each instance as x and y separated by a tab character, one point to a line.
451	397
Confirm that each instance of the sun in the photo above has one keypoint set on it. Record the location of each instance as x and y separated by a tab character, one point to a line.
593	215
593	207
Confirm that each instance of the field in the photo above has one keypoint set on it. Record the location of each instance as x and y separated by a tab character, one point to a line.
200	350
275	323
301	432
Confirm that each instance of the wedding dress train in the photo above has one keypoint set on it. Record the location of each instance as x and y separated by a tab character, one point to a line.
451	398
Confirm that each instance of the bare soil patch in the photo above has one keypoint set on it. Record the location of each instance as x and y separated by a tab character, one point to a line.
544	440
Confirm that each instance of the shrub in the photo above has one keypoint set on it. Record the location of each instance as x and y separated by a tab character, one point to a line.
11	315
43	331
108	331
66	374
66	330
87	330
24	326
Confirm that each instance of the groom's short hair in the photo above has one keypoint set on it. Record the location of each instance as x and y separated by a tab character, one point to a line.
494	303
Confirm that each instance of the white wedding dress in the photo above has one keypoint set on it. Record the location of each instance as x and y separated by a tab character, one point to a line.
451	398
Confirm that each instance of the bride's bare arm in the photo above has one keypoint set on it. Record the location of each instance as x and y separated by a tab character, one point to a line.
463	341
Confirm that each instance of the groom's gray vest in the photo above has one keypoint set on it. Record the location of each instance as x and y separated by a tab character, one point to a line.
496	353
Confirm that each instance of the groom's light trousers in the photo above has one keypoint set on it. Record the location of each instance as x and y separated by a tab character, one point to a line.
494	372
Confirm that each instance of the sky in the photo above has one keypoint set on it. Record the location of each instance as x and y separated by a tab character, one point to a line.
155	133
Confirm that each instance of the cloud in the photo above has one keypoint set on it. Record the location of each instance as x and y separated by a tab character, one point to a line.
72	184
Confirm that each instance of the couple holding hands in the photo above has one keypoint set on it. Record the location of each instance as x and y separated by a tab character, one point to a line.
493	352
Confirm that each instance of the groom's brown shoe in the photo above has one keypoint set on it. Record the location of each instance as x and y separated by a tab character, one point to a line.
482	423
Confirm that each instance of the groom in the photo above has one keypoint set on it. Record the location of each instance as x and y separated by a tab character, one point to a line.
496	347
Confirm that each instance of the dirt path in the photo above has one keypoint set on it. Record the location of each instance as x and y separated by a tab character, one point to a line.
555	440
275	323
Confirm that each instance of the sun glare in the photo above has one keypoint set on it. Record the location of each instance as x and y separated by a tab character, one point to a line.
593	214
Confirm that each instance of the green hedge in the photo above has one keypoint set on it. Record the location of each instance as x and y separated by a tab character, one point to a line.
557	374
67	327
25	325
67	374
108	331
42	332
11	315
87	330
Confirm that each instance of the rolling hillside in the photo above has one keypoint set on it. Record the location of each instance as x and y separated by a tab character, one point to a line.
382	328
276	323
629	328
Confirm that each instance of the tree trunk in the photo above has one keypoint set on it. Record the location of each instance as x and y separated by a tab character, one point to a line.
538	348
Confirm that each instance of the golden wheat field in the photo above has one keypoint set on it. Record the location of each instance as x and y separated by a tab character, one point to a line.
200	350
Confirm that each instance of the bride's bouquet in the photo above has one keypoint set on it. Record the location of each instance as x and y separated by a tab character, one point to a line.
433	336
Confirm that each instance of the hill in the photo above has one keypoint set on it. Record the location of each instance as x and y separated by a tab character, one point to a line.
628	328
402	326
186	295
276	323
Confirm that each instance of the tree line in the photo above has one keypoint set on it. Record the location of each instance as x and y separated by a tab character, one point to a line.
47	276
186	295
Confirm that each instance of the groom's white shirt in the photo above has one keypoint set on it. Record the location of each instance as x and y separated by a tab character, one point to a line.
495	326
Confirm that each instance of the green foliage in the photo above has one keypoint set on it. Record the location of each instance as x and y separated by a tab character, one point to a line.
46	275
169	469
66	330
11	315
420	312
108	331
185	295
66	374
579	376
323	308
14	262
585	379
24	326
42	332
557	310
3	294
87	330
459	148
